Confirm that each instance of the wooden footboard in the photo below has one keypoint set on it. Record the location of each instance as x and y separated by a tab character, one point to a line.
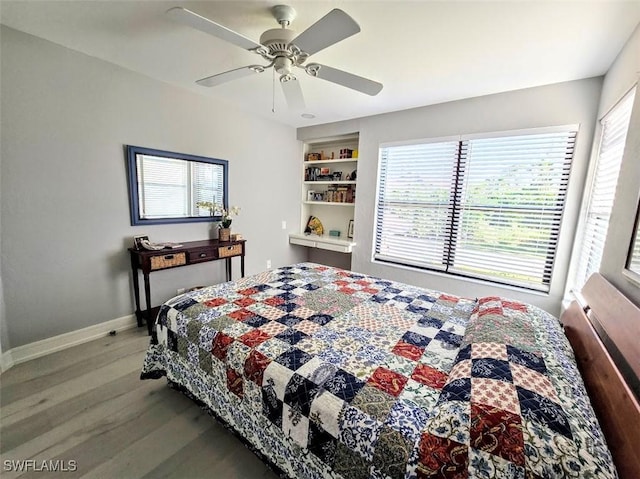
603	328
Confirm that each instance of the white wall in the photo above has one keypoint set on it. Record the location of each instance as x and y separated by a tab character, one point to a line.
65	209
623	74
565	103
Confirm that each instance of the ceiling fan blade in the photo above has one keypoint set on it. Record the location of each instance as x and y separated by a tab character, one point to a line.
292	93
332	28
191	19
343	78
230	75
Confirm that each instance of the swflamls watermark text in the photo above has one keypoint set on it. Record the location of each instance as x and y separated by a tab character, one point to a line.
58	465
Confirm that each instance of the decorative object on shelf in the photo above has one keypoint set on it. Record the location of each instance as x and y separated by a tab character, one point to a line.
216	209
138	240
350	229
311	195
313	157
314	226
224	234
236	237
335	233
353	175
346	153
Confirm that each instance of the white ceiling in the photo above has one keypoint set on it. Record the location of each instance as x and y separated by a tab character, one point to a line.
424	52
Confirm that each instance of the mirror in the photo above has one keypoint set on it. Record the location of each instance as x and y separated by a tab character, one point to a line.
165	187
633	258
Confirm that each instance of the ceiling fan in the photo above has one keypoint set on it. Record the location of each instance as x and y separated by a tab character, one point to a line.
285	51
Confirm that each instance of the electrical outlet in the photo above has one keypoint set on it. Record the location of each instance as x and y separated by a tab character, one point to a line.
268	264
180	290
284	225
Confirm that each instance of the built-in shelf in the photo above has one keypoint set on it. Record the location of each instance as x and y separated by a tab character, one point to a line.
335	160
328	203
331	201
327	182
323	242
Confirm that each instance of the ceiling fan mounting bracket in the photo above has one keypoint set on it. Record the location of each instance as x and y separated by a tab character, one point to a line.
284	14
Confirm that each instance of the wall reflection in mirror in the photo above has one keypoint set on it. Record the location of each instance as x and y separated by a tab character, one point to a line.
165	187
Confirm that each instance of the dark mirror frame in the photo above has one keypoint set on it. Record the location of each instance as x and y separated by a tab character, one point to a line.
130	154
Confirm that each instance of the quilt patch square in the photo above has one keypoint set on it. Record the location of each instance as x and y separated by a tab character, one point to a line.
498	432
300	393
416	339
359	431
321	443
291	336
374	402
348	463
388	381
312	345
526	358
533	381
429	376
240	314
344	385
392	453
234	383
254	338
325	411
255	365
215	302
491	369
409	351
288	320
456	390
271	406
407	418
544	411
399	364
272	328
434	451
293	358
417	393
220	346
256	321
461	369
489	350
321	319
495	393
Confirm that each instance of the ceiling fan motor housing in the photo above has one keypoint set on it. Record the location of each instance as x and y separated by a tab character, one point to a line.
277	40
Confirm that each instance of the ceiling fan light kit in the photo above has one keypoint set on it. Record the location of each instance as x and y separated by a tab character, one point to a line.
285	51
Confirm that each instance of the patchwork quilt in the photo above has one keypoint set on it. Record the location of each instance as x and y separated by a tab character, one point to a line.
333	374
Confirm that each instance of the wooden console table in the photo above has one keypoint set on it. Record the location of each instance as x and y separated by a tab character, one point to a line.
191	252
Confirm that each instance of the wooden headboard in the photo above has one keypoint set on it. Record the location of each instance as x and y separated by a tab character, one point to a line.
603	327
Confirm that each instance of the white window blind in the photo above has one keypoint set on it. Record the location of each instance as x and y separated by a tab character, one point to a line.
487	208
208	185
165	187
602	192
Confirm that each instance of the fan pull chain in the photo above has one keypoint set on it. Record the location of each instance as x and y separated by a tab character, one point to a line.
273	90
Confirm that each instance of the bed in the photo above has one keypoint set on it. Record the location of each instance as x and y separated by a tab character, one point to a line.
327	373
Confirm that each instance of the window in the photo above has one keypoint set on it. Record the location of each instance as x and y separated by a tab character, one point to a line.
483	207
603	187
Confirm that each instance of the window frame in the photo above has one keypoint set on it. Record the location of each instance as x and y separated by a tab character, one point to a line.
136	194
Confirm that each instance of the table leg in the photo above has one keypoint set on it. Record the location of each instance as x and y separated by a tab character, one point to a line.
147	297
136	290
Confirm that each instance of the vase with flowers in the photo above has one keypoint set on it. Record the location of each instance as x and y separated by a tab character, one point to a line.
217	209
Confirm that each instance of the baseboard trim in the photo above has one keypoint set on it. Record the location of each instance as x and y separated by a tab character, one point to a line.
63	341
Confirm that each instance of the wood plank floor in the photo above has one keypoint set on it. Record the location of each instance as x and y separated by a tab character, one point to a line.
87	404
